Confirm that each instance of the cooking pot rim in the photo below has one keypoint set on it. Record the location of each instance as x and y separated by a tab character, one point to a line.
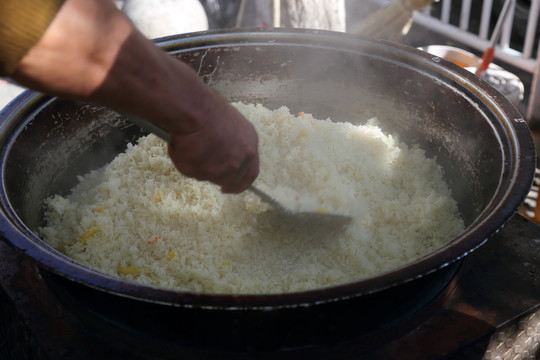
500	209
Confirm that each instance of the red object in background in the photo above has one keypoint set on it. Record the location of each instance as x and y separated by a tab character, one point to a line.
487	59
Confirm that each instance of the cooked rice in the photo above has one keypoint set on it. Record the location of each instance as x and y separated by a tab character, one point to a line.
139	219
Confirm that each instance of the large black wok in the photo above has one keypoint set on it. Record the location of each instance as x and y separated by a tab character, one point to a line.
477	136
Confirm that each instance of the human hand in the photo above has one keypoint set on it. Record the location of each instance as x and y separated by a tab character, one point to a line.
111	63
223	151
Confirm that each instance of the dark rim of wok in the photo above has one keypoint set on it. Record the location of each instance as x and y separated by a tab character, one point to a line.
505	203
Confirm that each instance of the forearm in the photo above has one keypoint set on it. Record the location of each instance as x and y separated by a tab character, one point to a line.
92	52
167	90
88	52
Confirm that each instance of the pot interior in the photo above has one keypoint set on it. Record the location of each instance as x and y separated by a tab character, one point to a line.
477	137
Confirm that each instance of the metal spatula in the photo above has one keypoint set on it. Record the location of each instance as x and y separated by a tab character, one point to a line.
301	218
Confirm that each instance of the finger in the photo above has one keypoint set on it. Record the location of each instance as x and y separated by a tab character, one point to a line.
239	181
214	170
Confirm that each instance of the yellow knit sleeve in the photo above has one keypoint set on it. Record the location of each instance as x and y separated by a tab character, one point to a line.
22	23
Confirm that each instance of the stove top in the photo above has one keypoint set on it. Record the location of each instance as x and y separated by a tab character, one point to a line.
496	294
